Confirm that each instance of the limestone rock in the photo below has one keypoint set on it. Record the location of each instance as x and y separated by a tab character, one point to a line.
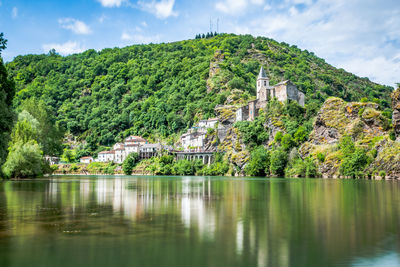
214	68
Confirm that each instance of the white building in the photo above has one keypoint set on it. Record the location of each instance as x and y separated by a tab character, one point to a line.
106	156
86	160
210	123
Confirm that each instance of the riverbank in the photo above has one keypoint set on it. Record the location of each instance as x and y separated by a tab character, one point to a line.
81	169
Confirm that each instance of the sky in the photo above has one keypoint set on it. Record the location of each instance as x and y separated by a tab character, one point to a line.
360	36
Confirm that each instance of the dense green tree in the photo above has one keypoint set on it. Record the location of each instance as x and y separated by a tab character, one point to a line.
24	160
7	92
259	162
279	159
49	134
130	162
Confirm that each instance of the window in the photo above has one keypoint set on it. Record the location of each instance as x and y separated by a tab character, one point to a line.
265	83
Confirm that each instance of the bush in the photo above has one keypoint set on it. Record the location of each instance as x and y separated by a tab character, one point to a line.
321	157
353	163
130	163
302	168
258	164
392	135
278	162
24	161
301	135
287	142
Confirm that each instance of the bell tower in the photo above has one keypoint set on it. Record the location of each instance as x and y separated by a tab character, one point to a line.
262	85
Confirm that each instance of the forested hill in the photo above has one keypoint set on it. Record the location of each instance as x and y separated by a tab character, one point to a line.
161	89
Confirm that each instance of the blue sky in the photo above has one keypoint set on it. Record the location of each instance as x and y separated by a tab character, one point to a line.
361	36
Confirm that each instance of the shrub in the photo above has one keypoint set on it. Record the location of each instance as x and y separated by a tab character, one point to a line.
24	161
130	163
353	163
278	162
321	157
382	174
258	164
287	142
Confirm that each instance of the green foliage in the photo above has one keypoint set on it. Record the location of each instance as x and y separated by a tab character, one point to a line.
7	92
301	135
278	137
186	167
49	133
299	167
279	159
287	142
130	162
69	156
259	162
346	145
24	160
354	159
392	135
321	157
253	132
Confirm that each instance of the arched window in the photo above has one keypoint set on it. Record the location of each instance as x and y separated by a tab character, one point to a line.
265	83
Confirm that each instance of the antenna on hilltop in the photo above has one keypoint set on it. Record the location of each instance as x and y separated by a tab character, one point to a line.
217	25
211	25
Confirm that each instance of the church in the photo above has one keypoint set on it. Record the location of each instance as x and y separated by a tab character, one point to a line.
283	91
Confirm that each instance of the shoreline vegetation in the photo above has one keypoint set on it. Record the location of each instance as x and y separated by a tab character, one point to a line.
81	169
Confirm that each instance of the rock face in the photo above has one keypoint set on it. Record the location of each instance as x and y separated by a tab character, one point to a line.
396	113
214	68
226	115
367	127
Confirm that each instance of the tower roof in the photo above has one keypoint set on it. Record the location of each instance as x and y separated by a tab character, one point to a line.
262	74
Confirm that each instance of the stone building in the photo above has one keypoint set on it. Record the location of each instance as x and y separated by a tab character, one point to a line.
283	91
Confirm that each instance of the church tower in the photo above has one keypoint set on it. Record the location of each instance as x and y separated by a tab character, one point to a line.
263	86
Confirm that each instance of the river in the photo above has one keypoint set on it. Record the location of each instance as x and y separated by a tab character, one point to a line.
198	221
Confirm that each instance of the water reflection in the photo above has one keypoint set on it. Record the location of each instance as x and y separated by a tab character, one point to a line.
198	221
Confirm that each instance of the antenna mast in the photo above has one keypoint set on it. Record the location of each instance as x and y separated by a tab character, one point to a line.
217	25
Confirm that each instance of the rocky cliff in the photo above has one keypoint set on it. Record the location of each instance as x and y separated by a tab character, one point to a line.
369	130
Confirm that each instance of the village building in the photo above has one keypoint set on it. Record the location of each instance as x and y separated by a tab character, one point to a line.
86	160
194	138
106	156
282	91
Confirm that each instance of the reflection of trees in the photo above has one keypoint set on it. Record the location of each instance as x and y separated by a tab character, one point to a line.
240	221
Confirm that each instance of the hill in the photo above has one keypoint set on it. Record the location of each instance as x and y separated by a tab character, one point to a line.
159	90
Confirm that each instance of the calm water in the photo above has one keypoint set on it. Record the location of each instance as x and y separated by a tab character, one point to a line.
198	221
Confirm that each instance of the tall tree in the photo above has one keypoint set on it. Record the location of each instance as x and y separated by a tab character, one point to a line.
7	92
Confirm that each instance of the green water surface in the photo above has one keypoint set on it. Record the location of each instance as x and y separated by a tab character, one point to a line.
198	221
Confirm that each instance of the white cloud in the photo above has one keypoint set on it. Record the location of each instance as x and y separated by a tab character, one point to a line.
161	9
364	44
65	48
139	38
14	12
111	3
76	26
236	6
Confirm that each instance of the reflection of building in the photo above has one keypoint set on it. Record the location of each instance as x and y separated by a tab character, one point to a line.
283	91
